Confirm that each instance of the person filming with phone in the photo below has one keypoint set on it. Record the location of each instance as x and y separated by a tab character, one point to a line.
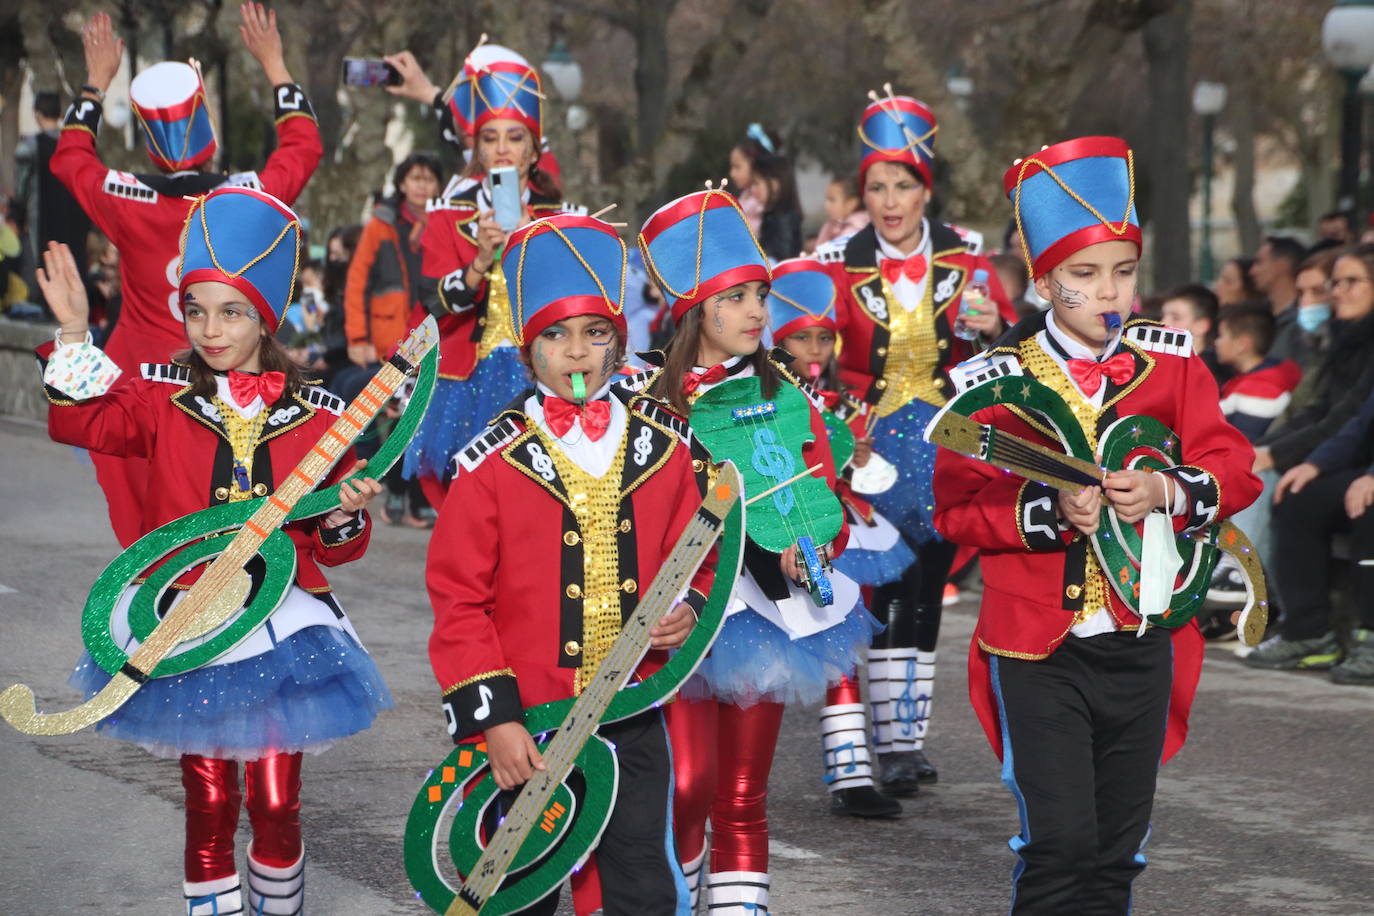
497	101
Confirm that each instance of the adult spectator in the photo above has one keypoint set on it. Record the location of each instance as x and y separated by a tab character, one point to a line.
338	254
1314	307
1234	284
1338	226
51	212
1275	273
1330	492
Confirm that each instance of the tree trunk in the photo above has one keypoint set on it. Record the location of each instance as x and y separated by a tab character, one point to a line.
1240	117
11	81
1166	163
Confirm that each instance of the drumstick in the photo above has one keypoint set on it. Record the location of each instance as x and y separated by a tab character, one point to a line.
788	482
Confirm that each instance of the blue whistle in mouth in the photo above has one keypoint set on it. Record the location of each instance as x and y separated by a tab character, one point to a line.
241	477
1112	321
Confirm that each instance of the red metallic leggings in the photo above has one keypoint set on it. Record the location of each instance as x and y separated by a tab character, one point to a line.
212	812
844	692
721	758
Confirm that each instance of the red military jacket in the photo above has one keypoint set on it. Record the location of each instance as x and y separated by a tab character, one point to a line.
449	245
875	352
144	216
190	460
506	562
1035	576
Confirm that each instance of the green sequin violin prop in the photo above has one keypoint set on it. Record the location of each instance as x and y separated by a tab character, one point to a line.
223	608
553	824
764	436
1137	442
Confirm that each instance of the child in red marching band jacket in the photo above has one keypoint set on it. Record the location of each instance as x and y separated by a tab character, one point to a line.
801	308
1081	705
498	103
715	277
142	215
906	318
559	515
228	421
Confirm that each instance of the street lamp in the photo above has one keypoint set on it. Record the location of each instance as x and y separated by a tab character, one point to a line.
1208	101
1348	41
565	72
959	84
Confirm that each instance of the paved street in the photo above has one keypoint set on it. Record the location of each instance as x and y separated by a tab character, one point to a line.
1268	809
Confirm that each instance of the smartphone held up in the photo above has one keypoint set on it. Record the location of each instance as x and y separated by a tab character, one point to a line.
369	71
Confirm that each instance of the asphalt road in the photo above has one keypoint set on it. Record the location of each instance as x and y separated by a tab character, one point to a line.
1269	809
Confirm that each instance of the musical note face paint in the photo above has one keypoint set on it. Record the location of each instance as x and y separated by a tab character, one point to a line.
1069	298
733	323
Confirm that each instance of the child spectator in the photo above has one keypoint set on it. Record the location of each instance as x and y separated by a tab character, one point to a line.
1011	270
1262	386
844	210
1193	308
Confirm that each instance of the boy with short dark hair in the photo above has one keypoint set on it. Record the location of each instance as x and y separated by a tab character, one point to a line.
1262	386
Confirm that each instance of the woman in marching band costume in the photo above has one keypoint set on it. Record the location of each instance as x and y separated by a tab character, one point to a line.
228	421
498	101
801	309
700	252
901	282
1077	696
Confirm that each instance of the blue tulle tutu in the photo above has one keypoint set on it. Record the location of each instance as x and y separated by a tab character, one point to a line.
876	567
316	687
753	661
910	504
459	410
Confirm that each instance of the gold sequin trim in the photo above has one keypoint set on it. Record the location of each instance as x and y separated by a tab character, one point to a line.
497	316
912	355
595	503
243	438
485	675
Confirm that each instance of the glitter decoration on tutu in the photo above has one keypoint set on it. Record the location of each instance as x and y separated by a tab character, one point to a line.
315	687
910	504
875	567
753	661
461	408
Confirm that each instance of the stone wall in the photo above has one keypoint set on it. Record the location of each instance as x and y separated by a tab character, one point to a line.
21	390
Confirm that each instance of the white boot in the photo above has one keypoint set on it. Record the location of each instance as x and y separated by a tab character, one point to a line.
276	891
892	676
844	747
220	897
737	893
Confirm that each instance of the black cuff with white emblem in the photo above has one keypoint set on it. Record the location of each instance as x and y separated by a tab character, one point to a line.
84	113
333	537
1203	494
1036	519
289	99
479	703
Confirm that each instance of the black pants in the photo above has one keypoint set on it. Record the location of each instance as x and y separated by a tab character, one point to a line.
910	608
1082	734
635	858
1304	524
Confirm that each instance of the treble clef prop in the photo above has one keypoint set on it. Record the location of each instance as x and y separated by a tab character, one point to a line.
1137	442
213	617
551	826
765	438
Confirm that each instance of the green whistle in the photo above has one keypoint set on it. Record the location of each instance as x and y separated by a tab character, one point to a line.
579	386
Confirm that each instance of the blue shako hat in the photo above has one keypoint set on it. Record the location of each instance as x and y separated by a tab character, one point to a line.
560	267
897	129
247	239
802	296
1072	195
169	101
496	82
698	245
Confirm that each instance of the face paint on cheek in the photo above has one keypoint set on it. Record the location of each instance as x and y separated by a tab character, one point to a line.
717	321
607	360
1071	298
540	359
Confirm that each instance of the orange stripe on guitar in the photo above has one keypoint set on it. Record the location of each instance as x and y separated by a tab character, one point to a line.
297	472
255	529
367	395
343	440
322	453
280	504
357	424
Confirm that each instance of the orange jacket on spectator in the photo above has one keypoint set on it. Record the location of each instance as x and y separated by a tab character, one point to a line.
377	298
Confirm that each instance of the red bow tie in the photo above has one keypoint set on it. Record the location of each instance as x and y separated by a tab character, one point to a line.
830	398
1087	373
244	387
595	416
913	267
694	380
